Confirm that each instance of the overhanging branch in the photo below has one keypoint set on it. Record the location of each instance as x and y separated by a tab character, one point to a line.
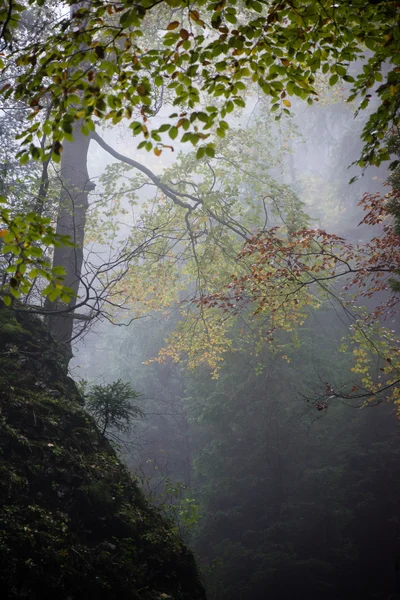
169	192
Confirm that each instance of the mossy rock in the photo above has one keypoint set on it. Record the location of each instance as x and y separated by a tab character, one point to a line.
73	523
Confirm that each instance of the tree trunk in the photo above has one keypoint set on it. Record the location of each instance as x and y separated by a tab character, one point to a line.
75	186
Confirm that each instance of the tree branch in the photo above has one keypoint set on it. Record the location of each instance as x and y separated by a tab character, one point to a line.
169	192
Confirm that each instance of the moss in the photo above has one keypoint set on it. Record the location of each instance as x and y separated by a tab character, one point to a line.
73	522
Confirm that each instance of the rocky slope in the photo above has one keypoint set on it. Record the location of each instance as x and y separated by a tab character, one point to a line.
73	522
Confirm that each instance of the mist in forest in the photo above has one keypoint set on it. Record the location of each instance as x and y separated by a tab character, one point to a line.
204	231
281	488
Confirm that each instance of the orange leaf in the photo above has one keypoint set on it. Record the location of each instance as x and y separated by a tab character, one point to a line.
173	25
3	232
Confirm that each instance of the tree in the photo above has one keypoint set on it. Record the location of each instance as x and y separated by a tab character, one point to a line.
111	406
230	196
92	67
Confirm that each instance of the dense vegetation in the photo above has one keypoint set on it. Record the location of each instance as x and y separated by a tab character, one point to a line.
73	523
291	505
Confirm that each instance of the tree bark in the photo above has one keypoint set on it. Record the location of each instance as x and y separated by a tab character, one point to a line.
75	186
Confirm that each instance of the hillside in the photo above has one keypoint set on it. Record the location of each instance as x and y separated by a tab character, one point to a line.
73	522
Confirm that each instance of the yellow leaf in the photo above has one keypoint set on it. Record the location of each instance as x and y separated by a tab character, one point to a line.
157	151
3	232
287	103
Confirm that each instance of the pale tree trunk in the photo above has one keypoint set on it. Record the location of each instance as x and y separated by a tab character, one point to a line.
75	186
71	221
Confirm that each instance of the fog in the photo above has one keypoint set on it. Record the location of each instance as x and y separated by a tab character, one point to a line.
199	287
282	486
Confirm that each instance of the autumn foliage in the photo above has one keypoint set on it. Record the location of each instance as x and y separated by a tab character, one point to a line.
287	273
282	264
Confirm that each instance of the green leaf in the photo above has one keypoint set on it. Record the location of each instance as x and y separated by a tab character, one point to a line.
173	132
57	270
47	128
130	17
210	150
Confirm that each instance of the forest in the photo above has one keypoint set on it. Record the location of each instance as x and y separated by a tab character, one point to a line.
199	280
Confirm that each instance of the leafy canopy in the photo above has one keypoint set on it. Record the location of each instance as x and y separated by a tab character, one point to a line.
194	252
100	64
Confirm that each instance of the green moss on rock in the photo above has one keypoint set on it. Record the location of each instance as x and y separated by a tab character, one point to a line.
73	522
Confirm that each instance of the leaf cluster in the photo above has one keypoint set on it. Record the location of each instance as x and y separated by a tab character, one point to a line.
23	240
95	65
